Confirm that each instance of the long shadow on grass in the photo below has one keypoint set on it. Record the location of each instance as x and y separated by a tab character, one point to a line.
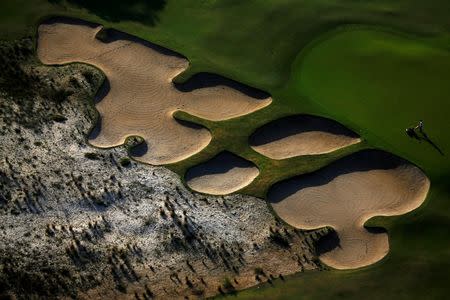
143	11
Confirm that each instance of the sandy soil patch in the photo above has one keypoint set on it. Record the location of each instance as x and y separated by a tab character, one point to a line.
223	174
140	98
344	195
301	135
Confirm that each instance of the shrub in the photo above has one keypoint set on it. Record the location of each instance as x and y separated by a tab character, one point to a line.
125	161
228	286
277	238
91	155
58	118
259	271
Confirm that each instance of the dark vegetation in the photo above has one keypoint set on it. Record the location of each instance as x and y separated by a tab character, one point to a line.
187	236
23	80
91	155
125	161
82	262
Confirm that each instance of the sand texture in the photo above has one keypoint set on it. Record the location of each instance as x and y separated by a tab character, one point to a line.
139	97
347	193
301	135
223	174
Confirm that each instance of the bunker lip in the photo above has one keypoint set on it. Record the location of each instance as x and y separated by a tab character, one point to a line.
68	20
109	35
347	193
301	135
205	79
223	174
139	97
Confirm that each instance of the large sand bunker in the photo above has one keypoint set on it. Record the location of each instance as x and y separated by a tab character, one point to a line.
140	99
344	195
223	174
301	135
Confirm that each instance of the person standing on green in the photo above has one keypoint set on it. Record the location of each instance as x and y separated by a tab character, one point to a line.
420	126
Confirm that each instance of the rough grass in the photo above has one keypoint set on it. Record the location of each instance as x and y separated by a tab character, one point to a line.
256	42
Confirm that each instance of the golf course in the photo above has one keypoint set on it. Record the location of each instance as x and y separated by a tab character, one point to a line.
335	113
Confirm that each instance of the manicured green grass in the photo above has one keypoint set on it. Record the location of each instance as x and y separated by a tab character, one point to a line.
258	42
252	41
378	83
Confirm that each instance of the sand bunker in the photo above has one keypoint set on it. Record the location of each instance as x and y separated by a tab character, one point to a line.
140	98
223	174
301	135
344	195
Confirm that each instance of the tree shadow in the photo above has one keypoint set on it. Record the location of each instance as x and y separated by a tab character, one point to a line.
143	11
328	243
139	150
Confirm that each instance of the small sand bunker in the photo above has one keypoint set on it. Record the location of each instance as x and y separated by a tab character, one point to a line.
140	98
301	135
344	195
224	174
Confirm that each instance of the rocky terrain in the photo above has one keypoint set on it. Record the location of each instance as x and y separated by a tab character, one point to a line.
82	222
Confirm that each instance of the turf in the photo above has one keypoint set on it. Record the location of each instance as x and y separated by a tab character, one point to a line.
373	81
253	41
381	83
378	83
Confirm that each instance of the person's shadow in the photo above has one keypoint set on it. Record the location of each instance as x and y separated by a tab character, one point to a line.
426	138
413	134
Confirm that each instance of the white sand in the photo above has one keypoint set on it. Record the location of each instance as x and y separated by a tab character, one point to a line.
301	135
224	174
346	199
142	97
